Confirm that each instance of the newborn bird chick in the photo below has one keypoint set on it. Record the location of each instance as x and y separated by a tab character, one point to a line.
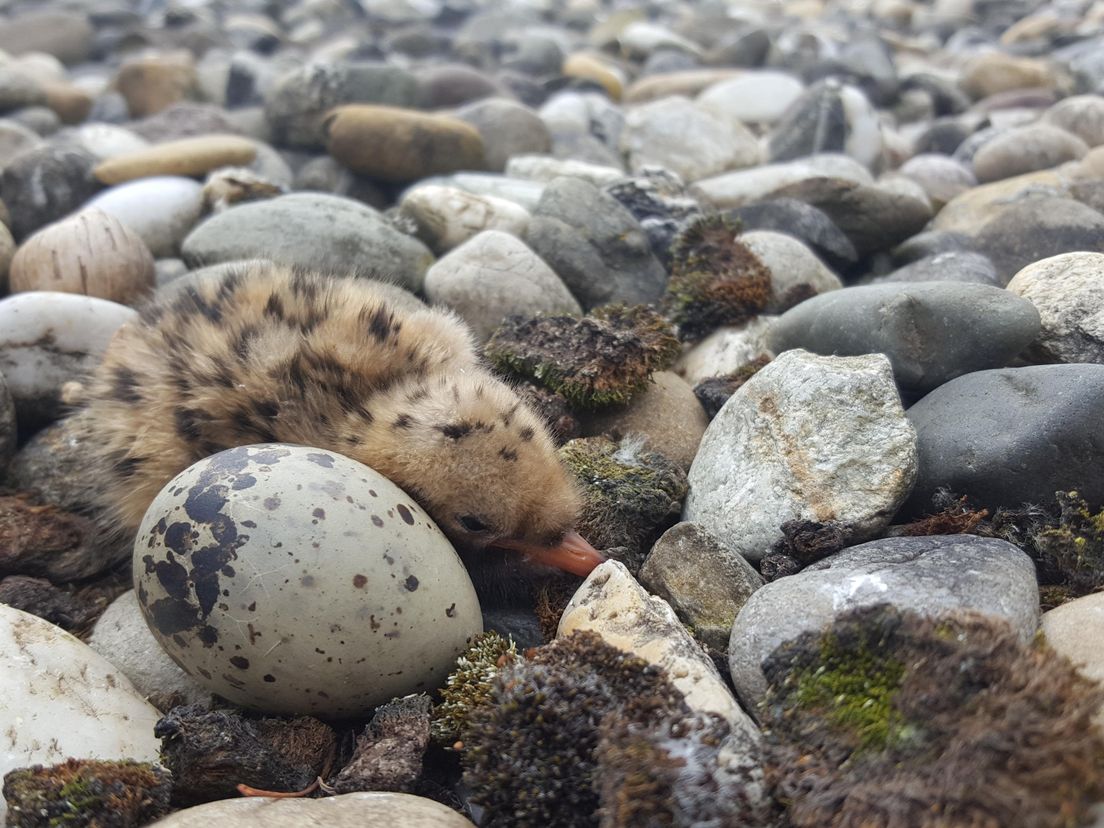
271	354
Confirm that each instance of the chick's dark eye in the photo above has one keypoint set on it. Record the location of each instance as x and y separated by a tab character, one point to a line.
472	524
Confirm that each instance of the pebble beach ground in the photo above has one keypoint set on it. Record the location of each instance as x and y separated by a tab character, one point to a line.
810	295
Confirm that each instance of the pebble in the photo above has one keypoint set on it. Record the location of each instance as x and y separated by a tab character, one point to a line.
45	184
1080	115
1074	630
351	810
152	83
14	139
802	221
931	332
928	575
1026	149
311	230
50	464
107	140
122	636
590	68
7	252
395	144
725	350
611	603
524	193
8	426
807	438
677	134
942	177
795	271
49	339
735	189
507	129
60	699
91	253
828	117
688	82
160	209
595	245
994	72
454	84
492	276
545	169
1029	432
1068	292
760	97
951	266
65	35
186	157
666	414
446	217
706	584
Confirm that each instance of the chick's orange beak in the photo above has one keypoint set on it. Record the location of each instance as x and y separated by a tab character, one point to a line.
572	554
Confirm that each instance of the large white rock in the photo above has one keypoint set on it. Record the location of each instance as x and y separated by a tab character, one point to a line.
680	136
611	603
545	168
1068	292
752	98
495	275
735	189
447	217
355	810
161	209
807	438
59	699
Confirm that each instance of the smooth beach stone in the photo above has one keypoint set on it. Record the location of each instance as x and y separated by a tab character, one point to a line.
1074	630
106	140
60	699
521	191
8	428
951	266
151	83
1026	149
802	221
995	72
49	339
942	177
595	245
492	276
929	575
687	82
454	84
18	90
1082	115
1028	433
353	810
91	253
795	271
160	209
65	35
396	144
828	117
930	331
1068	291
297	105
759	97
806	438
446	217
507	128
187	157
546	169
677	134
725	350
45	184
14	139
735	189
312	230
590	68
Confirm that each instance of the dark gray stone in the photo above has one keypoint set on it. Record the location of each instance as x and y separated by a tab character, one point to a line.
802	221
929	575
44	184
953	266
930	331
1012	436
595	245
507	128
931	243
1038	228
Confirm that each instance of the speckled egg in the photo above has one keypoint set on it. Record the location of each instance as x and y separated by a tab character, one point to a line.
295	580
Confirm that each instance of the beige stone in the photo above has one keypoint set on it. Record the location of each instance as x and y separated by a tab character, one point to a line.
611	603
995	72
397	144
587	67
153	83
91	253
725	350
666	414
187	156
1076	631
71	103
969	212
688	83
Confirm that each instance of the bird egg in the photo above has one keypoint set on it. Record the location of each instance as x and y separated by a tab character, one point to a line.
294	580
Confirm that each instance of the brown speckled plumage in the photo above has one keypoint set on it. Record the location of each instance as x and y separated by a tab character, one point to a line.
270	354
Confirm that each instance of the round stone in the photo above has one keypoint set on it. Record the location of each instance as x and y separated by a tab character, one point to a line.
1068	291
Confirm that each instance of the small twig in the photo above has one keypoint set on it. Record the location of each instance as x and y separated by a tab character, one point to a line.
247	790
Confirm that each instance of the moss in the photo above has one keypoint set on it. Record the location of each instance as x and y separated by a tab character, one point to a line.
1075	546
86	792
892	718
469	685
715	279
630	495
594	361
714	392
530	750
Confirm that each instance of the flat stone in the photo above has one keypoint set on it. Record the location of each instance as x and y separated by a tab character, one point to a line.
1027	432
995	72
952	266
1082	115
1068	292
396	144
507	128
546	169
590	68
930	331
759	97
492	276
942	177
1026	149
806	438
735	189
186	157
446	217
929	575
595	245
353	810
705	583
161	209
64	700
65	35
155	82
311	230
